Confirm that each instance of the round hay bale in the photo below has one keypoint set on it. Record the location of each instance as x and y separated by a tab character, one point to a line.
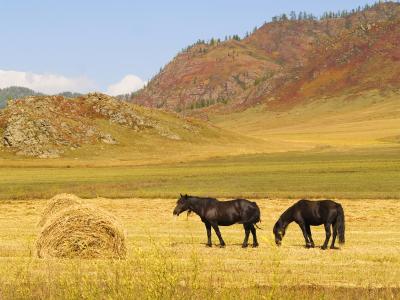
81	231
58	203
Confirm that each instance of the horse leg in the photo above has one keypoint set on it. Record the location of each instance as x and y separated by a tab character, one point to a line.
304	230
310	236
216	229
208	228
328	235
335	229
246	235
253	232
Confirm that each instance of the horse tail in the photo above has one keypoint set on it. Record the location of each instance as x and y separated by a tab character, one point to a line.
255	224
340	220
257	215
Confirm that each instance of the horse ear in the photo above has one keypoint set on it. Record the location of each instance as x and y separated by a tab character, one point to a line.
181	195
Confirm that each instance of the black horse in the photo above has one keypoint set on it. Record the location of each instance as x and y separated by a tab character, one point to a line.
311	213
216	213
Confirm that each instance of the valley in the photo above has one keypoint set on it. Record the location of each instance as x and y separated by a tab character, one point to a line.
300	108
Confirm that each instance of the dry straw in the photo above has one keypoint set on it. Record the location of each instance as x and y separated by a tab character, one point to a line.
57	204
80	231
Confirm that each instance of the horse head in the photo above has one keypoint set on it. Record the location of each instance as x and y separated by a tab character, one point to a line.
182	205
279	232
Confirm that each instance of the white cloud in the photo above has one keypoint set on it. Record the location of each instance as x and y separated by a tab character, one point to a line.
45	83
128	84
54	84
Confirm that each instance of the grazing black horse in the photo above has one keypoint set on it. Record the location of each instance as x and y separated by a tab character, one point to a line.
311	213
216	213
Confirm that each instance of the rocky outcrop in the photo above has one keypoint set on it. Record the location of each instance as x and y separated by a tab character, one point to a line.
115	111
47	126
37	126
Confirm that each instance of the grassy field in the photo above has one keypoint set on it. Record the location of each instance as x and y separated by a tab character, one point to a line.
347	147
370	119
365	173
167	257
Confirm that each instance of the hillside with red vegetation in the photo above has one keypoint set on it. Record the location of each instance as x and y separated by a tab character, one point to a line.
282	62
369	60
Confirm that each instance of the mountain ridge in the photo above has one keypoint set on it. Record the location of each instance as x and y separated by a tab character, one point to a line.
237	74
18	92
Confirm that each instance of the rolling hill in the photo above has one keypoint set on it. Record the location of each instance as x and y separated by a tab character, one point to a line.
284	61
99	126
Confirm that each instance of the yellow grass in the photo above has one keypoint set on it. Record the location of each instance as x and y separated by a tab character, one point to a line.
370	119
167	257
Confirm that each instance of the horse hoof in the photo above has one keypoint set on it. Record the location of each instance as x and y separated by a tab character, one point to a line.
222	246
245	245
323	248
255	245
334	248
308	246
208	245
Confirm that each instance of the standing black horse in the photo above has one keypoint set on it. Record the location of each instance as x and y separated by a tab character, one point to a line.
216	213
311	213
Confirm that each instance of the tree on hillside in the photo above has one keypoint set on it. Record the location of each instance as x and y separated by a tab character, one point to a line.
236	37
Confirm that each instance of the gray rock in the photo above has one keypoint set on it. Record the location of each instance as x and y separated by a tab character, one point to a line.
106	138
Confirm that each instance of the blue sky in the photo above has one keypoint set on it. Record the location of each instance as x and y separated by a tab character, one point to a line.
93	45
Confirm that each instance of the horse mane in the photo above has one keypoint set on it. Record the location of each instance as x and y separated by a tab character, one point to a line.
285	217
200	198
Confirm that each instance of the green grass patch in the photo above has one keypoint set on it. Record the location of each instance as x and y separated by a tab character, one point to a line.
356	174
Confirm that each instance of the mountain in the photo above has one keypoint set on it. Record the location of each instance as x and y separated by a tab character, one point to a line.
19	92
14	92
70	94
284	61
366	58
